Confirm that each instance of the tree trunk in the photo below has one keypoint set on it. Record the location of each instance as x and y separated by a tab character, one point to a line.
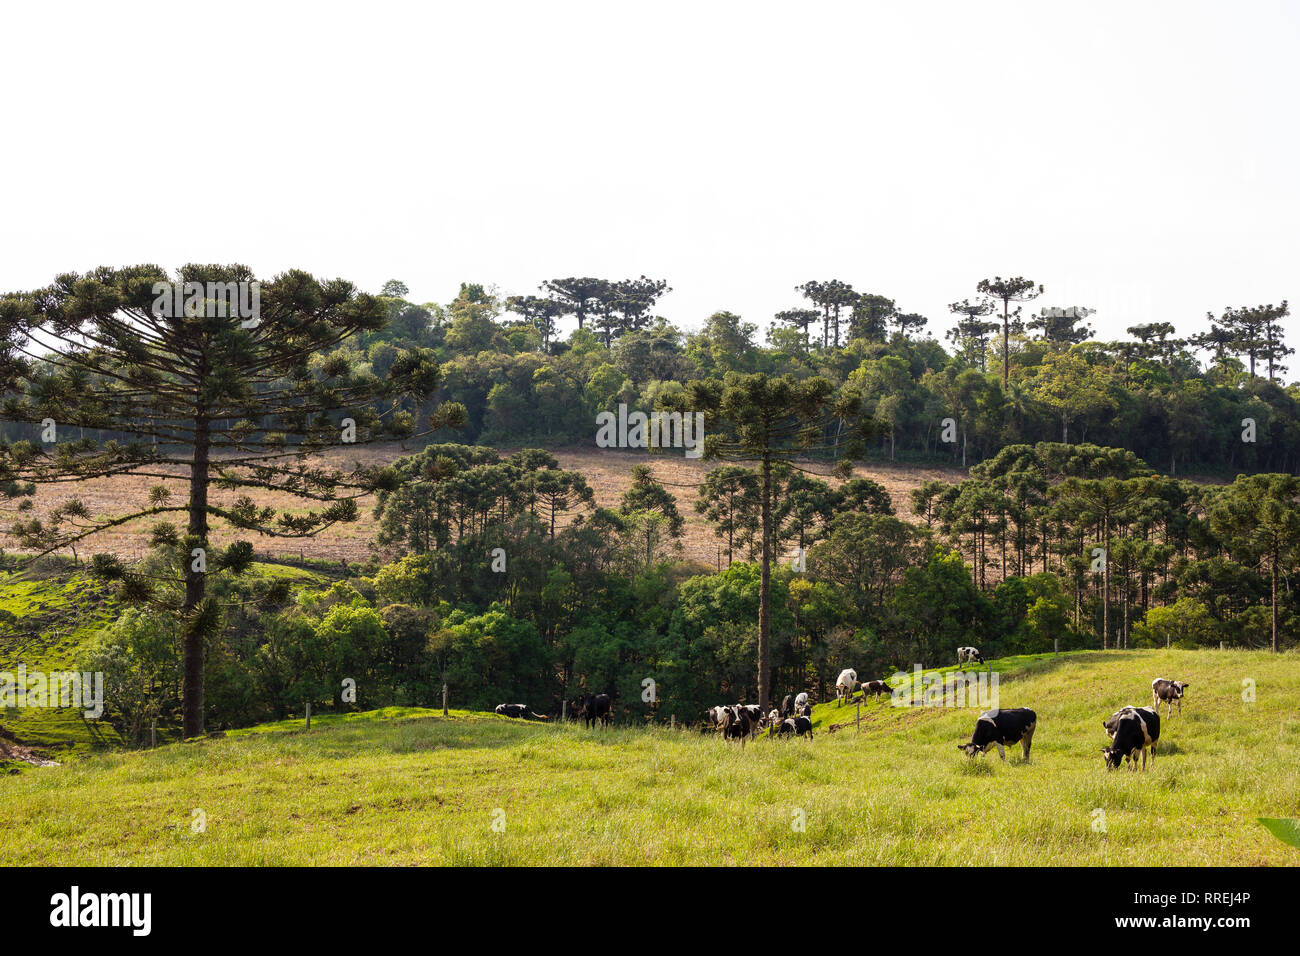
765	589
1006	345
1105	604
1275	559
195	586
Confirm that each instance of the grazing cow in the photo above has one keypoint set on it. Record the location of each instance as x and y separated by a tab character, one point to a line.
740	728
597	707
773	717
518	710
800	701
874	688
787	705
845	684
755	717
969	655
805	711
1169	691
998	727
794	726
1132	729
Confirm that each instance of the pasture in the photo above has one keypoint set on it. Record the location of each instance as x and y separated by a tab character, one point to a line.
411	787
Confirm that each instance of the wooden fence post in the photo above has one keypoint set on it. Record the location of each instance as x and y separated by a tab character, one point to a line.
153	733
309	715
444	700
672	722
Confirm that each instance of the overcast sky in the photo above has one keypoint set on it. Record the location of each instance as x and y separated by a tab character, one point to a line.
1139	158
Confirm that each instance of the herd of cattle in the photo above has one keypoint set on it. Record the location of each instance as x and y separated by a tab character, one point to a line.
589	708
1132	730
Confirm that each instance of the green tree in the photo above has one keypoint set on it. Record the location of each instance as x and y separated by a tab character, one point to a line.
647	494
1259	516
767	420
972	332
235	402
728	499
1070	387
1006	291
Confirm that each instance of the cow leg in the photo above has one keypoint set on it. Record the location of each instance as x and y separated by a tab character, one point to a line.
1025	744
1002	753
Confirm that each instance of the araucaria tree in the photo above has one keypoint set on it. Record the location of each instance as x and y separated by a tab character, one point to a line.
209	378
1259	515
1007	291
772	422
971	331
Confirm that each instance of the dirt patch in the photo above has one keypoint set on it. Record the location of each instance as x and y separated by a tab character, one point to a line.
12	749
606	470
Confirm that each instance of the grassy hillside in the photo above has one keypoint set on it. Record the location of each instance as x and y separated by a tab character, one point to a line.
57	611
410	787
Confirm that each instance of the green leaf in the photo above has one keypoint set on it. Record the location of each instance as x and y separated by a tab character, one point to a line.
1288	831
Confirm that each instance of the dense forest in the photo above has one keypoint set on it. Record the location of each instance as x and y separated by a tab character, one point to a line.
1005	377
497	574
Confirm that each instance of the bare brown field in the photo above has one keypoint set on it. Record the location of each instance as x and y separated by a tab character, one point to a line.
607	471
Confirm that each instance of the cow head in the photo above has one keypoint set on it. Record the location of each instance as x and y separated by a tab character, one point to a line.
972	748
1113	758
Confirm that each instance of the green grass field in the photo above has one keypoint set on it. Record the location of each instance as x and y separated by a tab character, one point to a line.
411	787
58	609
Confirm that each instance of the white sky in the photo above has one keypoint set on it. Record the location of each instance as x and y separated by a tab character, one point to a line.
1140	158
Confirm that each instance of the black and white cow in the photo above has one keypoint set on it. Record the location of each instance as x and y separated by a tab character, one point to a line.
787	705
1132	729
874	688
998	727
800	701
1169	691
805	711
845	684
795	726
517	710
740	728
720	717
969	655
